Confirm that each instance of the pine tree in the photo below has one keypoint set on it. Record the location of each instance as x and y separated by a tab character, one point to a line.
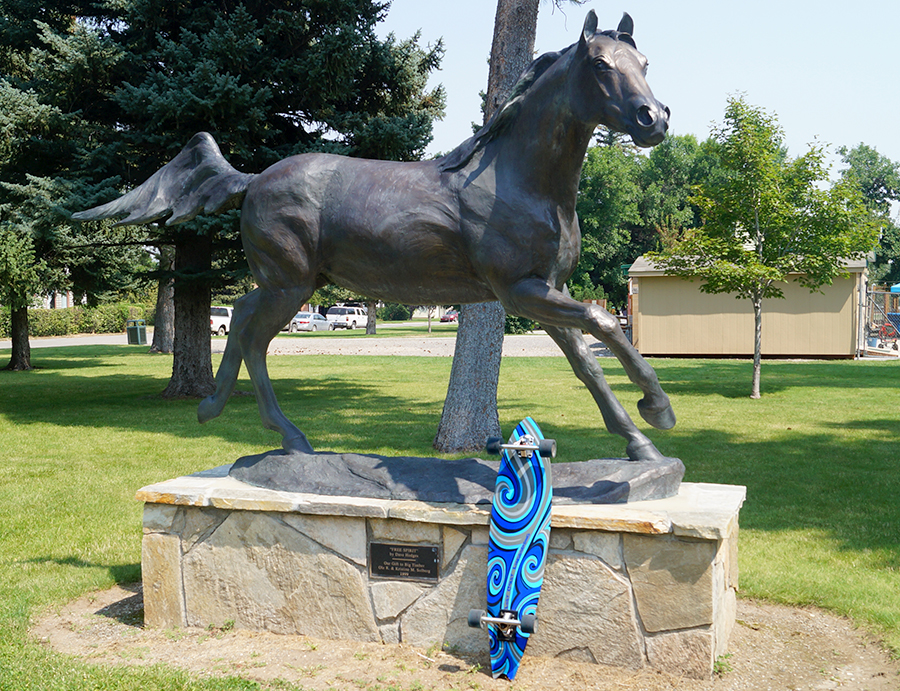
42	115
134	80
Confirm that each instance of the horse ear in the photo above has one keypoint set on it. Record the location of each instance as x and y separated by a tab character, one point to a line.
626	26
590	27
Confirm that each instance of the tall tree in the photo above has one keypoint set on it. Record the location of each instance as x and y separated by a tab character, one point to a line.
470	414
668	178
878	179
42	117
768	220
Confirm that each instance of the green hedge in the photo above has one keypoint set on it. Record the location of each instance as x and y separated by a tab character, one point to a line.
518	325
109	318
393	312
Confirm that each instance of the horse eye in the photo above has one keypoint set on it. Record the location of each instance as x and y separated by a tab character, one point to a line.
602	65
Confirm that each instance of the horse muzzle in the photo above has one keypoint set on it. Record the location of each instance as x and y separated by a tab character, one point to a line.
649	124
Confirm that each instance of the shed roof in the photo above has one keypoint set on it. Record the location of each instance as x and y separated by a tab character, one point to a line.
644	267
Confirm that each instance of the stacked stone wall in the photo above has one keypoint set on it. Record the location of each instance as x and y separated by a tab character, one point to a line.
616	596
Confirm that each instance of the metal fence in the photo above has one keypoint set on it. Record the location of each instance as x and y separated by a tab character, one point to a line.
883	320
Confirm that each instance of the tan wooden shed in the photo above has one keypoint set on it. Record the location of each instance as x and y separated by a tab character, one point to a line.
671	317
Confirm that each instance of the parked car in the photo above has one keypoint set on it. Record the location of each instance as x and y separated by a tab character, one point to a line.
220	320
450	316
308	321
340	317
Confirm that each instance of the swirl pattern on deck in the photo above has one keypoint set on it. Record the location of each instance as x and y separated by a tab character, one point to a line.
520	528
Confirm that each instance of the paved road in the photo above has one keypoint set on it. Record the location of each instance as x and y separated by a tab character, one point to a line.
536	344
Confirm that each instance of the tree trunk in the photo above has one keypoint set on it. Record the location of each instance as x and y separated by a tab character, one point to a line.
757	346
192	363
20	358
512	49
164	321
371	307
470	408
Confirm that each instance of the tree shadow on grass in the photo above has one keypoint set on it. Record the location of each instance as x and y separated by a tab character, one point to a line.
330	409
86	356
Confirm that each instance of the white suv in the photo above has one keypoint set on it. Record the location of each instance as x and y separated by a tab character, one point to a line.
341	317
220	320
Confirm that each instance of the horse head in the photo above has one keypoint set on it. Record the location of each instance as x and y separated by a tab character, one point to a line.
616	93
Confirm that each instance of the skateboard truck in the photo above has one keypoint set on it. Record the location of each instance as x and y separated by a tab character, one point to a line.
506	623
524	446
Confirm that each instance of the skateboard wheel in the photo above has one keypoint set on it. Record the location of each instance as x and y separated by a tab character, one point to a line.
529	623
493	445
548	448
475	616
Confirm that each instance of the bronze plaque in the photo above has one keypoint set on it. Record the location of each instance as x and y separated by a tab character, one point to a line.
407	562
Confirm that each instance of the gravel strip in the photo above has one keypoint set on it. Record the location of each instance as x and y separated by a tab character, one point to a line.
526	345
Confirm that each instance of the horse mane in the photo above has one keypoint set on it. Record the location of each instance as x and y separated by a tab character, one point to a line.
505	114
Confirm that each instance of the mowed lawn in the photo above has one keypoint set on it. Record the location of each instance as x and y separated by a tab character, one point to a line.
819	455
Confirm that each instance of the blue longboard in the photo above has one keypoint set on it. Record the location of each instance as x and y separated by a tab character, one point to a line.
519	540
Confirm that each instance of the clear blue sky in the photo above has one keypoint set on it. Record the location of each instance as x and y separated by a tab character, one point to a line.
829	70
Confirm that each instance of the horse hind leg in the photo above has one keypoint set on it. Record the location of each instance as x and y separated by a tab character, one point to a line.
272	309
617	420
227	374
535	299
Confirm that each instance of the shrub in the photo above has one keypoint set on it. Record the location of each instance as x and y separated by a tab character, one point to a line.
107	318
518	325
42	322
582	293
392	312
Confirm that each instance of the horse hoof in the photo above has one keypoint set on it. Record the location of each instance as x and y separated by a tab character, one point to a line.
297	443
643	450
660	418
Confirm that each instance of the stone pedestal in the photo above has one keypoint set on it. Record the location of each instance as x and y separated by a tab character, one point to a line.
643	584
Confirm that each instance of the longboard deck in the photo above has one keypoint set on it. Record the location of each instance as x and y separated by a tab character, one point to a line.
519	540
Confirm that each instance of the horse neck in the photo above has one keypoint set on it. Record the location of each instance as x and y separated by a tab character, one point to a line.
546	143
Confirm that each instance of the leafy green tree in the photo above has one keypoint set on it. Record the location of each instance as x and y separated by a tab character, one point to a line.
878	180
19	280
630	204
608	207
768	218
668	179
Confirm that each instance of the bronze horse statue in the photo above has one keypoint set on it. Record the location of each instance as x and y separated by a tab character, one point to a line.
492	220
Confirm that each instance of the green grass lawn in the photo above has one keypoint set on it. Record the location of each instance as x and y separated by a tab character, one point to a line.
79	435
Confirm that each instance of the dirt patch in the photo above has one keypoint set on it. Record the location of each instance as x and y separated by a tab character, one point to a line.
773	647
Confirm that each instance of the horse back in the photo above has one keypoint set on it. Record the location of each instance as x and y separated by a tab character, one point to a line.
384	229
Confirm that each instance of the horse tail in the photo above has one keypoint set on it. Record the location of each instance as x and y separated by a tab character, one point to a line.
197	181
